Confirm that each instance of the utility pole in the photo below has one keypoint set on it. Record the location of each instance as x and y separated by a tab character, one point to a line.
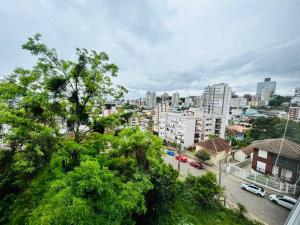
180	145
220	171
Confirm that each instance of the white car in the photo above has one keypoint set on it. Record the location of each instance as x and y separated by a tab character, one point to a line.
284	201
254	189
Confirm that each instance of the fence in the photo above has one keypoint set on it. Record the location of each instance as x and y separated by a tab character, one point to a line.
266	181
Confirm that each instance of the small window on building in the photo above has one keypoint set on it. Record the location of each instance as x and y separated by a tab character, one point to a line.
262	154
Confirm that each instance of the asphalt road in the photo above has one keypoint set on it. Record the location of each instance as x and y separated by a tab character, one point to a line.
260	208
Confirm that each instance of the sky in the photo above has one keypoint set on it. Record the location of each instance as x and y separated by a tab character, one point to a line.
165	45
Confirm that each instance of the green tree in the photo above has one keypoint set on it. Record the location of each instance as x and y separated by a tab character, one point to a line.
33	104
205	190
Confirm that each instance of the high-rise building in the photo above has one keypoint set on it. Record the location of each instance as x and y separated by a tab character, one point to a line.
150	100
199	100
216	99
266	88
175	99
159	109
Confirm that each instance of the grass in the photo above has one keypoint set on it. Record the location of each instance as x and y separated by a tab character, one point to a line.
182	212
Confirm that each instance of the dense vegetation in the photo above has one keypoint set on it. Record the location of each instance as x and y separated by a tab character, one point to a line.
95	173
264	128
278	100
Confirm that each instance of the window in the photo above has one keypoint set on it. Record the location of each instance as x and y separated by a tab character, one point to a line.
286	174
262	154
261	166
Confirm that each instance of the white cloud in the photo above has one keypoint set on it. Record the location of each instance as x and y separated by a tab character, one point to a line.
166	45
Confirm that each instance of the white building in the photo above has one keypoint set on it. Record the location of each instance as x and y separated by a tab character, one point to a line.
238	102
265	89
216	99
175	99
199	101
150	99
159	109
296	97
190	127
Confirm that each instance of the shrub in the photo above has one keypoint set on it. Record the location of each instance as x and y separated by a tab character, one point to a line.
241	209
203	155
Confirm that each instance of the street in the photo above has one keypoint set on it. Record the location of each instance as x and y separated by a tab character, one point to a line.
260	208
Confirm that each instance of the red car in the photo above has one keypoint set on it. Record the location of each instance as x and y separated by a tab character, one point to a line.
181	158
197	165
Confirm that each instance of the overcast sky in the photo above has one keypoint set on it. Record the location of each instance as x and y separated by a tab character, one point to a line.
162	45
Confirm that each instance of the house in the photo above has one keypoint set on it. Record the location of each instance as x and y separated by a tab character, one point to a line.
265	153
244	154
237	131
217	148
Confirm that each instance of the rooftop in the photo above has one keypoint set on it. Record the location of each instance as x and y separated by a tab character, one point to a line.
215	145
289	148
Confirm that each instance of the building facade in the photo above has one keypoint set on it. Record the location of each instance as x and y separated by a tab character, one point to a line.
296	98
150	100
216	99
238	102
295	113
175	99
190	127
265	154
265	89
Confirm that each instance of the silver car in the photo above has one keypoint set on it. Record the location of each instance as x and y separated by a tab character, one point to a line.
254	189
284	201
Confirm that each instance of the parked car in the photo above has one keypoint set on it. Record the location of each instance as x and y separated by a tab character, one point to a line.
181	158
171	153
284	201
196	164
254	189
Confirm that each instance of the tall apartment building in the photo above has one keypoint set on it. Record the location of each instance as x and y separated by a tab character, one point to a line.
175	99
295	114
198	100
159	109
265	89
150	100
190	127
216	99
238	102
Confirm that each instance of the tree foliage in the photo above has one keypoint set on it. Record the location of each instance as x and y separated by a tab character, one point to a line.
203	155
272	127
96	173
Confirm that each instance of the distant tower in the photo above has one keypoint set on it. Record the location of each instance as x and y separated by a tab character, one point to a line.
150	99
262	86
175	99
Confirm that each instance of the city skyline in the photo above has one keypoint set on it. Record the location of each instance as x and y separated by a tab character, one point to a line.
168	46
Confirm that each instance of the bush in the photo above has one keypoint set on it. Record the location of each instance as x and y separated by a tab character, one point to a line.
205	190
203	155
241	211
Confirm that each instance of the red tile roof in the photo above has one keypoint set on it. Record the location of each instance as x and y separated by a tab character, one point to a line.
215	145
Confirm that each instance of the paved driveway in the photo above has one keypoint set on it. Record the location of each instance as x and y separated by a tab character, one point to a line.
261	208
